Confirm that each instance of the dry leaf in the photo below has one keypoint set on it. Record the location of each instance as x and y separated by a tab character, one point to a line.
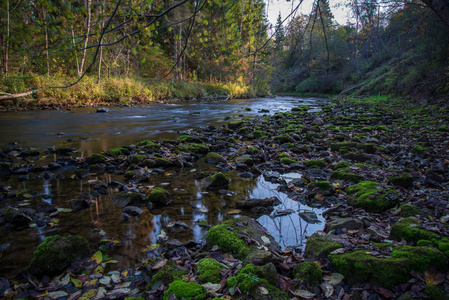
159	265
303	294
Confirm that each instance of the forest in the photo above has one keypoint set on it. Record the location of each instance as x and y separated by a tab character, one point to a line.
155	50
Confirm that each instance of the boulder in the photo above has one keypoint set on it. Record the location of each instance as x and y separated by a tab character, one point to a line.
57	253
79	204
339	223
132	210
216	181
319	245
159	198
214	158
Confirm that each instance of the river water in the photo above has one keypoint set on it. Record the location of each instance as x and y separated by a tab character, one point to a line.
193	209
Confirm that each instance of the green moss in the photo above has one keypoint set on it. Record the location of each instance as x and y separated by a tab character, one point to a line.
116	152
404	180
159	197
282	139
57	253
368	195
162	162
227	240
167	274
421	258
408	229
318	246
189	139
309	271
314	163
135	159
345	175
408	210
130	174
195	148
287	161
186	290
209	270
361	267
419	149
235	124
443	128
96	159
258	134
435	293
342	165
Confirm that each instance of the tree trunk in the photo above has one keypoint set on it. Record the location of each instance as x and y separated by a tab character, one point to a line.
88	4
46	49
441	8
7	38
76	56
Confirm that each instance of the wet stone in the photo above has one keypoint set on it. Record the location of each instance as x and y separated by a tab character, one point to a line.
132	210
339	223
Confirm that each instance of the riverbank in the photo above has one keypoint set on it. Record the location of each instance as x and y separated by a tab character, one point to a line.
113	91
380	166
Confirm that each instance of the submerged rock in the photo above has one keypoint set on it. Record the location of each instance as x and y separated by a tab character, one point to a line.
57	253
216	181
159	198
127	199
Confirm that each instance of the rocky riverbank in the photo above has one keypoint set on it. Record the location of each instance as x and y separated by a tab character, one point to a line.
381	168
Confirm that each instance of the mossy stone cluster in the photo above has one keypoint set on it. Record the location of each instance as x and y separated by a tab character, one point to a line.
346	175
360	266
185	290
57	253
209	270
315	163
195	148
368	195
403	180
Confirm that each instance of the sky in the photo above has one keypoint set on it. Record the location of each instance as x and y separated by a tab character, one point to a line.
275	6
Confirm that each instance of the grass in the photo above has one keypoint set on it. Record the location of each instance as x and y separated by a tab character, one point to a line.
124	90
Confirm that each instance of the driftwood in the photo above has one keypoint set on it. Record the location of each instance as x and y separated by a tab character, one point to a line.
13	96
354	87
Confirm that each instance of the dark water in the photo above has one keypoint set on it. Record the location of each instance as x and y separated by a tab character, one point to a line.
137	240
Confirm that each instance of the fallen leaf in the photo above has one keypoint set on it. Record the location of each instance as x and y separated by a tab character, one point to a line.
327	288
265	240
97	257
334	278
162	234
303	294
76	282
57	294
159	265
150	248
338	251
211	287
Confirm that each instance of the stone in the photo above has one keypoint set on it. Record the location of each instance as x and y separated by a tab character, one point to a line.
216	181
214	158
127	199
159	197
102	110
339	223
57	253
362	157
309	217
132	210
320	187
45	207
250	203
318	246
124	217
79	204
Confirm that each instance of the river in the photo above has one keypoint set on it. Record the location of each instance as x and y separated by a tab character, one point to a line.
135	241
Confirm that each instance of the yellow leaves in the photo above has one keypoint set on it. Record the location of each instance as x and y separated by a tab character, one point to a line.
97	257
76	282
433	277
151	248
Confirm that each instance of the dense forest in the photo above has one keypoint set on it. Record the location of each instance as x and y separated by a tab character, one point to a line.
399	47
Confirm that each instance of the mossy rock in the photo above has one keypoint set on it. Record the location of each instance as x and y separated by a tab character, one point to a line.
190	139
159	197
80	173
216	181
244	160
342	165
361	267
96	159
167	274
314	163
408	210
320	187
96	168
403	180
319	246
229	238
135	158
115	152
130	174
367	195
163	162
287	161
185	290
418	149
251	277
308	271
282	139
435	293
209	270
195	148
348	176
214	158
29	152
235	124
57	253
443	128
